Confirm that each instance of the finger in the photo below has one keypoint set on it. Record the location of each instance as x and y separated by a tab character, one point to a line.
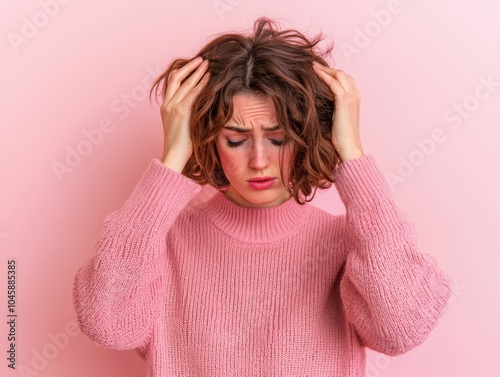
197	89
354	84
170	76
336	87
344	79
174	80
189	84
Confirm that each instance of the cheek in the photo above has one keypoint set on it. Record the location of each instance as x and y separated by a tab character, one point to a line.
230	160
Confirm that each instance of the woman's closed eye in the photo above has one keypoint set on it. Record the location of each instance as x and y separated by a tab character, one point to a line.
234	144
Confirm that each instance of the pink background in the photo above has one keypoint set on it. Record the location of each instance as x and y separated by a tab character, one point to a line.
70	73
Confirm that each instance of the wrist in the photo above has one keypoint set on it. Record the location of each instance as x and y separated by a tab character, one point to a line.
351	154
174	163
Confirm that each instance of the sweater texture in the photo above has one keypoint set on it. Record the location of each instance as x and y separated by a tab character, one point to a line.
219	289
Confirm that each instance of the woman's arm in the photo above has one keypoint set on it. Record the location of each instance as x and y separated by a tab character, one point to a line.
116	294
392	293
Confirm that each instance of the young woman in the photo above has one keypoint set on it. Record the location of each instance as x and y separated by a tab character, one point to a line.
255	281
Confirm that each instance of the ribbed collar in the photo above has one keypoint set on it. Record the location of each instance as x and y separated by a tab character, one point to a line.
264	224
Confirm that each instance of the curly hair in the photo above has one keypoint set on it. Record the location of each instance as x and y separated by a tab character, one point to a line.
277	64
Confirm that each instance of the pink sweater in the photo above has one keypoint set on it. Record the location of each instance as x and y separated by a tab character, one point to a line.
223	290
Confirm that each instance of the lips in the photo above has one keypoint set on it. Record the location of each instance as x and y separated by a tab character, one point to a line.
260	179
262	184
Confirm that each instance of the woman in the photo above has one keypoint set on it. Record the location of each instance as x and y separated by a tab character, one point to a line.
255	280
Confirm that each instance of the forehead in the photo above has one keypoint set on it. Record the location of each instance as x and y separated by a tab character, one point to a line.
250	108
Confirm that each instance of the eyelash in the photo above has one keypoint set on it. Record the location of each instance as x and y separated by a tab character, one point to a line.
233	144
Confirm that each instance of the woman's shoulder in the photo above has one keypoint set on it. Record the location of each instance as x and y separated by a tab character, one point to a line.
324	215
193	211
206	193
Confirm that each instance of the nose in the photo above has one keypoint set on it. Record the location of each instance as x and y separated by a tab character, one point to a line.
259	156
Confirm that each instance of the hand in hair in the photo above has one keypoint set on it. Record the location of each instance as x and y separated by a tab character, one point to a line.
345	129
176	112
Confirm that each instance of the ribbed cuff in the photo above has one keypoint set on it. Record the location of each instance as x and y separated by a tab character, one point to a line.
360	183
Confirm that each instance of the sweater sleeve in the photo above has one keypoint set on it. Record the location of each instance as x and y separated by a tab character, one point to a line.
116	294
393	294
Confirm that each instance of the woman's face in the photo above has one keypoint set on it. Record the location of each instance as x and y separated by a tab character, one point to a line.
253	152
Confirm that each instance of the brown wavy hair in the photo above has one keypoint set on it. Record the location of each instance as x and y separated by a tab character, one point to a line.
277	64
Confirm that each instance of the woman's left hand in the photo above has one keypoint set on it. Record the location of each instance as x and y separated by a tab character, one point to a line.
345	129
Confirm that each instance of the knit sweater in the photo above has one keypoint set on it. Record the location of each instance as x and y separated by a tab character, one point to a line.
219	289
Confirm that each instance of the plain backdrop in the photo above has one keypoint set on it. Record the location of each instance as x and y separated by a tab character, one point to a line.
429	77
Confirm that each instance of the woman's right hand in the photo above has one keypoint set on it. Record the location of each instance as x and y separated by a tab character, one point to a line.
176	112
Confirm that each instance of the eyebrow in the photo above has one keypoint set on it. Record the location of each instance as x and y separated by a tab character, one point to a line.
244	130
